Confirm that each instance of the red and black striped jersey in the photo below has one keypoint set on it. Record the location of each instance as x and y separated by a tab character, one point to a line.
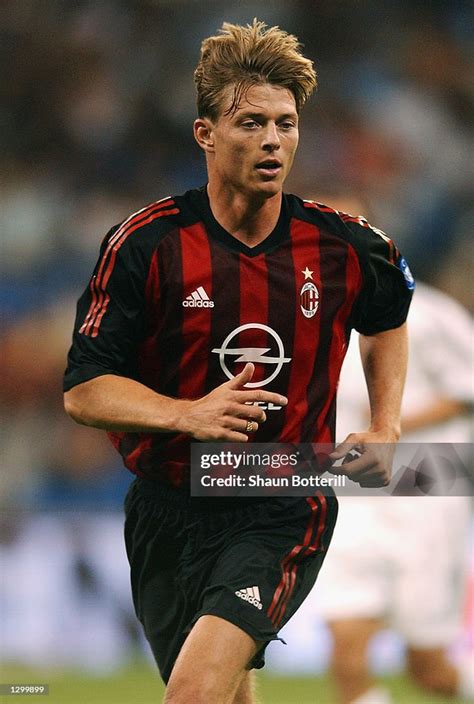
180	305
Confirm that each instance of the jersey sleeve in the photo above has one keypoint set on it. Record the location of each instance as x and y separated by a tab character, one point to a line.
388	284
110	313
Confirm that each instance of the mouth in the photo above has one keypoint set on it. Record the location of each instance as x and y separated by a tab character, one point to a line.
269	167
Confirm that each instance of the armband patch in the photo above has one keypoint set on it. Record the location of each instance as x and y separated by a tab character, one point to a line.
405	269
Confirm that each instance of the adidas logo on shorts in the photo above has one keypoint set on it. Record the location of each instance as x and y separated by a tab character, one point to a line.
198	299
250	594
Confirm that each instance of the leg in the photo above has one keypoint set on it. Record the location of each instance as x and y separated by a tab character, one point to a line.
430	610
246	691
432	671
211	665
256	585
349	661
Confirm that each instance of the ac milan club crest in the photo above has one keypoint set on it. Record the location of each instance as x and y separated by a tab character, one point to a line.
309	299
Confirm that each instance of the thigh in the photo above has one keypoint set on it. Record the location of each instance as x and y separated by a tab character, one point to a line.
351	637
155	538
212	662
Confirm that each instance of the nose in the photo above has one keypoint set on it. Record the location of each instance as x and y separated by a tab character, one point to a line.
271	138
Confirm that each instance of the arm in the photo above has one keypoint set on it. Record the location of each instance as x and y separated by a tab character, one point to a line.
439	411
120	404
384	358
442	357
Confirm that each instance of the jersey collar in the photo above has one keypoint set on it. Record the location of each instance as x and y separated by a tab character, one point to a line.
279	234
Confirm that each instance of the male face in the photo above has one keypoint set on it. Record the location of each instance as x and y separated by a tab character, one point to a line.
251	150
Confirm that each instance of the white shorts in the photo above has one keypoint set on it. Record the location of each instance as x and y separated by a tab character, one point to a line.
400	559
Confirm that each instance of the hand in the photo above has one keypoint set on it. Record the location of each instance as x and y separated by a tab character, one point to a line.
372	465
223	414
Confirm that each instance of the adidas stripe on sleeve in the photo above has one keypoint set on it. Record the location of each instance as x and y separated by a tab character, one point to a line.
109	320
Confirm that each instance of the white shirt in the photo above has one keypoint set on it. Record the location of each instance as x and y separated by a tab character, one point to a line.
440	364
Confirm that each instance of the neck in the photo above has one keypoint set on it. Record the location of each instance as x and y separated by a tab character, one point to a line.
248	219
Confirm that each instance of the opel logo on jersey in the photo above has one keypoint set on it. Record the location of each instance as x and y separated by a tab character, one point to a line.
309	299
257	355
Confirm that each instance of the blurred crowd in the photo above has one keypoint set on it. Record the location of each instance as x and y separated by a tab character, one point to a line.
96	113
97	108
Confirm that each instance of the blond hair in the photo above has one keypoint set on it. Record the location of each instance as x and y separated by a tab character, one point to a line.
242	56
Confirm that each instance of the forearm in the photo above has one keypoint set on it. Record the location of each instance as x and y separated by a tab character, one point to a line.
439	411
384	358
227	413
120	404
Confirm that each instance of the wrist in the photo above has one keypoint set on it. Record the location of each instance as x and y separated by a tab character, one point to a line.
179	417
390	433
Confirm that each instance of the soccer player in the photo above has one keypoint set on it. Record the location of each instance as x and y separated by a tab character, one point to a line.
223	315
401	561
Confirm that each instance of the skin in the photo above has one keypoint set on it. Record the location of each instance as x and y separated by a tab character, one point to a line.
245	199
376	445
429	667
351	638
210	668
116	403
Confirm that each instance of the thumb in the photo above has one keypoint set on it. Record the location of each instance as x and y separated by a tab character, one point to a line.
243	378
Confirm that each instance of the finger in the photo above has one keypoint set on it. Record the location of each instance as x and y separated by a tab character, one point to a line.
252	413
375	482
245	425
233	436
356	467
228	433
251	427
366	472
262	397
243	378
377	473
341	450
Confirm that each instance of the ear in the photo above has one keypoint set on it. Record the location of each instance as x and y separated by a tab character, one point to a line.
203	133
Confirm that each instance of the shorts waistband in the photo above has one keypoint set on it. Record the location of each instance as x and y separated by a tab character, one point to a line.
182	498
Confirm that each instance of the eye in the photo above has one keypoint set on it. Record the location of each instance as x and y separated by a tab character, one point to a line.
287	125
250	124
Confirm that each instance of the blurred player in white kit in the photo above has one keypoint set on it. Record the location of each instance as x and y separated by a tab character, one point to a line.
401	561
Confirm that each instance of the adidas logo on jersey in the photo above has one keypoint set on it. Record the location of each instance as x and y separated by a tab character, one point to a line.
250	594
198	299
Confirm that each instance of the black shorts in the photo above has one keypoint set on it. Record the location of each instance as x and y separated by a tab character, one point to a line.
250	561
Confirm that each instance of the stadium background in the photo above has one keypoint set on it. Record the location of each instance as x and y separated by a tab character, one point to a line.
97	107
